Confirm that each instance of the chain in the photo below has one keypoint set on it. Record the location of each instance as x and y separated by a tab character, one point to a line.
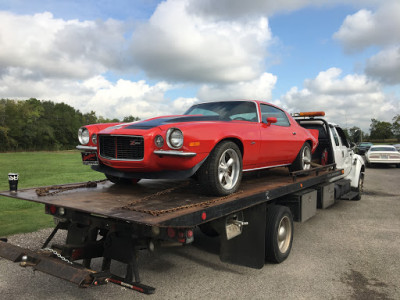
56	254
55	189
160	193
164	211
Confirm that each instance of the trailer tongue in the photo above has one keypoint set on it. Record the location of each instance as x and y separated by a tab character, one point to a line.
113	222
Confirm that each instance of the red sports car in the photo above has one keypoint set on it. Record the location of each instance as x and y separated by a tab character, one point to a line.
217	141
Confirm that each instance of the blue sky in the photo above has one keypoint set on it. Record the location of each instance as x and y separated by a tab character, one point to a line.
148	58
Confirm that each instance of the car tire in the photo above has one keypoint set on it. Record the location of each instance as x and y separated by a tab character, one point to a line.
120	180
221	173
278	233
303	159
360	186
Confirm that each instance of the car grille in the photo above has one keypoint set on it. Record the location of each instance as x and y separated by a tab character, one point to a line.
121	147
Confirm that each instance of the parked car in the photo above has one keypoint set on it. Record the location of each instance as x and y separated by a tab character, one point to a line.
363	147
383	154
217	141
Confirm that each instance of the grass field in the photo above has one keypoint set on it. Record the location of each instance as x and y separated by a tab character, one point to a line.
36	169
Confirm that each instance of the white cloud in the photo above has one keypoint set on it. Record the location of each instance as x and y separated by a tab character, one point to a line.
257	89
366	28
108	99
41	46
228	9
385	65
178	46
351	100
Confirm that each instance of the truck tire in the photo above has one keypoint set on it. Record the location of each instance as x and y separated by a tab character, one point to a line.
303	159
360	186
221	173
278	233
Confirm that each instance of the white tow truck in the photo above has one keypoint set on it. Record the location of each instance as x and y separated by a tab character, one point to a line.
254	225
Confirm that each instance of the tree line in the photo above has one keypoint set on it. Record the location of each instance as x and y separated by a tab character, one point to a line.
379	131
33	125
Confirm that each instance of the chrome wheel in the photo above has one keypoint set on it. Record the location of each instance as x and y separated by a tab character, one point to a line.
278	233
306	158
284	235
228	169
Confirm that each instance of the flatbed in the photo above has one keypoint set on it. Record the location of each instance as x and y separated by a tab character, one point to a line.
173	203
115	221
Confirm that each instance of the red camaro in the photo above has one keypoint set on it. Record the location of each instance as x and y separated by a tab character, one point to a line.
216	140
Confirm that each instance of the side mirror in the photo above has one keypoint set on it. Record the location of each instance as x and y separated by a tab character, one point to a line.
271	120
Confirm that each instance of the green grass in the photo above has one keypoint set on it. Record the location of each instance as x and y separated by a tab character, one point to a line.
36	169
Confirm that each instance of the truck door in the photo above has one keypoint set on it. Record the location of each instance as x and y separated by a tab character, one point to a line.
342	151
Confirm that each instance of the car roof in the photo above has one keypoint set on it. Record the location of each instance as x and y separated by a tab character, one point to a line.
378	146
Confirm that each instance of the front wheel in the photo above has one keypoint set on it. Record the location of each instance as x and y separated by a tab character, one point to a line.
278	233
221	173
360	187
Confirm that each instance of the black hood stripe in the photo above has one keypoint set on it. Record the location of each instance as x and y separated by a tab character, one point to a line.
163	121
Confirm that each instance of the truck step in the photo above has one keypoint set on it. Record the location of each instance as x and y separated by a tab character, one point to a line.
349	196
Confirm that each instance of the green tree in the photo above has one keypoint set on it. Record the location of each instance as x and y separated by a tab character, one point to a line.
130	118
356	134
396	126
380	129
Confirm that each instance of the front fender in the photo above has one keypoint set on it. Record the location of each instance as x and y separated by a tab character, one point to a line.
357	170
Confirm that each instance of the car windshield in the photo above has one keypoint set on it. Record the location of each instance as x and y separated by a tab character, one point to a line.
228	110
390	149
365	144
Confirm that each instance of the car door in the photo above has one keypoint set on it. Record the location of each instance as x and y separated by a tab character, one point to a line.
278	140
342	151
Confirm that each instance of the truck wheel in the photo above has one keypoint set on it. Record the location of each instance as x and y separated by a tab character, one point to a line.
222	171
120	180
360	187
303	159
278	233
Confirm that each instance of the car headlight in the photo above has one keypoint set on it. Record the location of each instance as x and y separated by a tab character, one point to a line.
83	135
174	138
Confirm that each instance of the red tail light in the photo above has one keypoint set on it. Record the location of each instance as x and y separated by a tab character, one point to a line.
51	209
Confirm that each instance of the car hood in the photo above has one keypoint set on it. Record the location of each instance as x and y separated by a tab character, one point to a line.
156	122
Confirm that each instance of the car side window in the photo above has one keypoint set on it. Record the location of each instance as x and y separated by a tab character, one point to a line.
270	111
335	136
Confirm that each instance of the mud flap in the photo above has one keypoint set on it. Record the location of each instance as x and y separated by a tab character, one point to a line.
248	248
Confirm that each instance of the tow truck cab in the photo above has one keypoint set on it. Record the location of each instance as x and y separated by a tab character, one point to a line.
335	148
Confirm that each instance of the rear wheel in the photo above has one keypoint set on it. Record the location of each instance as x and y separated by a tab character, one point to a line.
278	233
303	159
222	171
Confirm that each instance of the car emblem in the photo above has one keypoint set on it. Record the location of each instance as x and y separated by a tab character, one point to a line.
134	143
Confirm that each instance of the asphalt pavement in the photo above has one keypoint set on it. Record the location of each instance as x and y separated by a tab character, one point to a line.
349	251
